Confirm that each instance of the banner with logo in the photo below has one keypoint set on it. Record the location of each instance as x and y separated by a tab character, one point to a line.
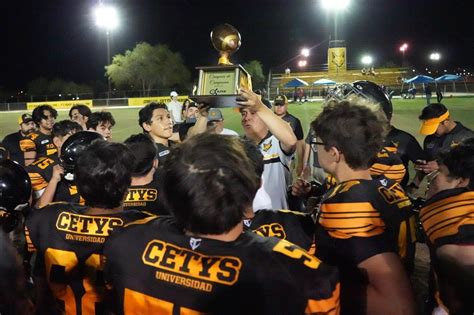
141	101
59	104
337	59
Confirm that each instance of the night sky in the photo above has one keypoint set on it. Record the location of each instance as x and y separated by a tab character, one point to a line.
53	38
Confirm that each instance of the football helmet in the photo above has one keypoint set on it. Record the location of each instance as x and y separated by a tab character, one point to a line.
73	147
15	192
368	90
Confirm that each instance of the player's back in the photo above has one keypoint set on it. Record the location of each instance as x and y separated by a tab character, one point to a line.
168	272
293	226
145	198
69	244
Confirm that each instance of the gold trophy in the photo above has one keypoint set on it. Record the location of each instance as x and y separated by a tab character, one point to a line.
218	86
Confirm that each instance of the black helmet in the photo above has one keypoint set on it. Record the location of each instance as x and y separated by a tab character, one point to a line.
371	91
73	147
15	190
4	154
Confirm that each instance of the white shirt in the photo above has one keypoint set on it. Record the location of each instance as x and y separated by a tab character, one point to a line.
175	107
228	132
261	200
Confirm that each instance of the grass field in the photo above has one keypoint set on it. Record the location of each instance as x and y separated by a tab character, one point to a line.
405	116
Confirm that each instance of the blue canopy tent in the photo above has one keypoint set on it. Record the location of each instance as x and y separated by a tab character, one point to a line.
324	82
295	83
450	78
420	79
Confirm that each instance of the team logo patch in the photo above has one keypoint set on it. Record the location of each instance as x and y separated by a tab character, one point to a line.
454	144
267	146
163	153
194	242
44	141
384	182
247	222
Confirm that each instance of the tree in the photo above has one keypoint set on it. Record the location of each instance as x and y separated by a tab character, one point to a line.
148	67
255	69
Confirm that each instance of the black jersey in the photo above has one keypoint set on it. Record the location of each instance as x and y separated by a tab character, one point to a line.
448	217
12	143
41	172
406	147
69	243
154	268
389	165
433	144
359	219
41	143
145	198
295	125
295	227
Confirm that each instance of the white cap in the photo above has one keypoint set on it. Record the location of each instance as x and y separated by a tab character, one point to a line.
173	93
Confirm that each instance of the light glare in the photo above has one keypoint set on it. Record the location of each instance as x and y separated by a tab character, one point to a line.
335	5
367	60
435	56
302	63
106	17
305	52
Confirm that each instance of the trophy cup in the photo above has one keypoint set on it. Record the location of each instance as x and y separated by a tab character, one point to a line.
218	86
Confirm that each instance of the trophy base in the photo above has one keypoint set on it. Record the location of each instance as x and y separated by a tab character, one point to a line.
218	101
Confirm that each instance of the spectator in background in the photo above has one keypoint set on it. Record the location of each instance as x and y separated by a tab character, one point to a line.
428	94
185	108
439	94
101	122
12	142
175	107
216	123
80	114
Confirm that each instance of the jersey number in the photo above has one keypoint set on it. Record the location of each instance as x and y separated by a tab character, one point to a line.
62	266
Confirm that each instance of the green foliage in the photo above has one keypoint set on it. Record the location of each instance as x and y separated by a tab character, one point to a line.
255	69
148	67
43	86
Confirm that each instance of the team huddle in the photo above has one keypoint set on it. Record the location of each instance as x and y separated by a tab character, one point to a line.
185	218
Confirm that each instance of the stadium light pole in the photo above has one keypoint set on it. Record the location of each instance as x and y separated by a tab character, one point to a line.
106	18
335	6
403	49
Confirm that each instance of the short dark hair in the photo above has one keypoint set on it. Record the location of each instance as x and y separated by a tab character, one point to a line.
353	129
84	110
64	127
432	111
144	151
209	183
146	113
97	118
255	155
460	161
38	113
103	174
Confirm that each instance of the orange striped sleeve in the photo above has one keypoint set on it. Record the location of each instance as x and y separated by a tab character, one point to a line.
344	220
27	145
329	306
30	246
37	181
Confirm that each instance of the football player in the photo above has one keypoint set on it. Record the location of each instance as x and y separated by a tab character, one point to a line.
143	193
15	192
69	238
362	222
102	123
40	143
448	221
46	172
202	261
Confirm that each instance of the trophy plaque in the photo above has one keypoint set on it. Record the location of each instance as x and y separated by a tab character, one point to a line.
218	86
